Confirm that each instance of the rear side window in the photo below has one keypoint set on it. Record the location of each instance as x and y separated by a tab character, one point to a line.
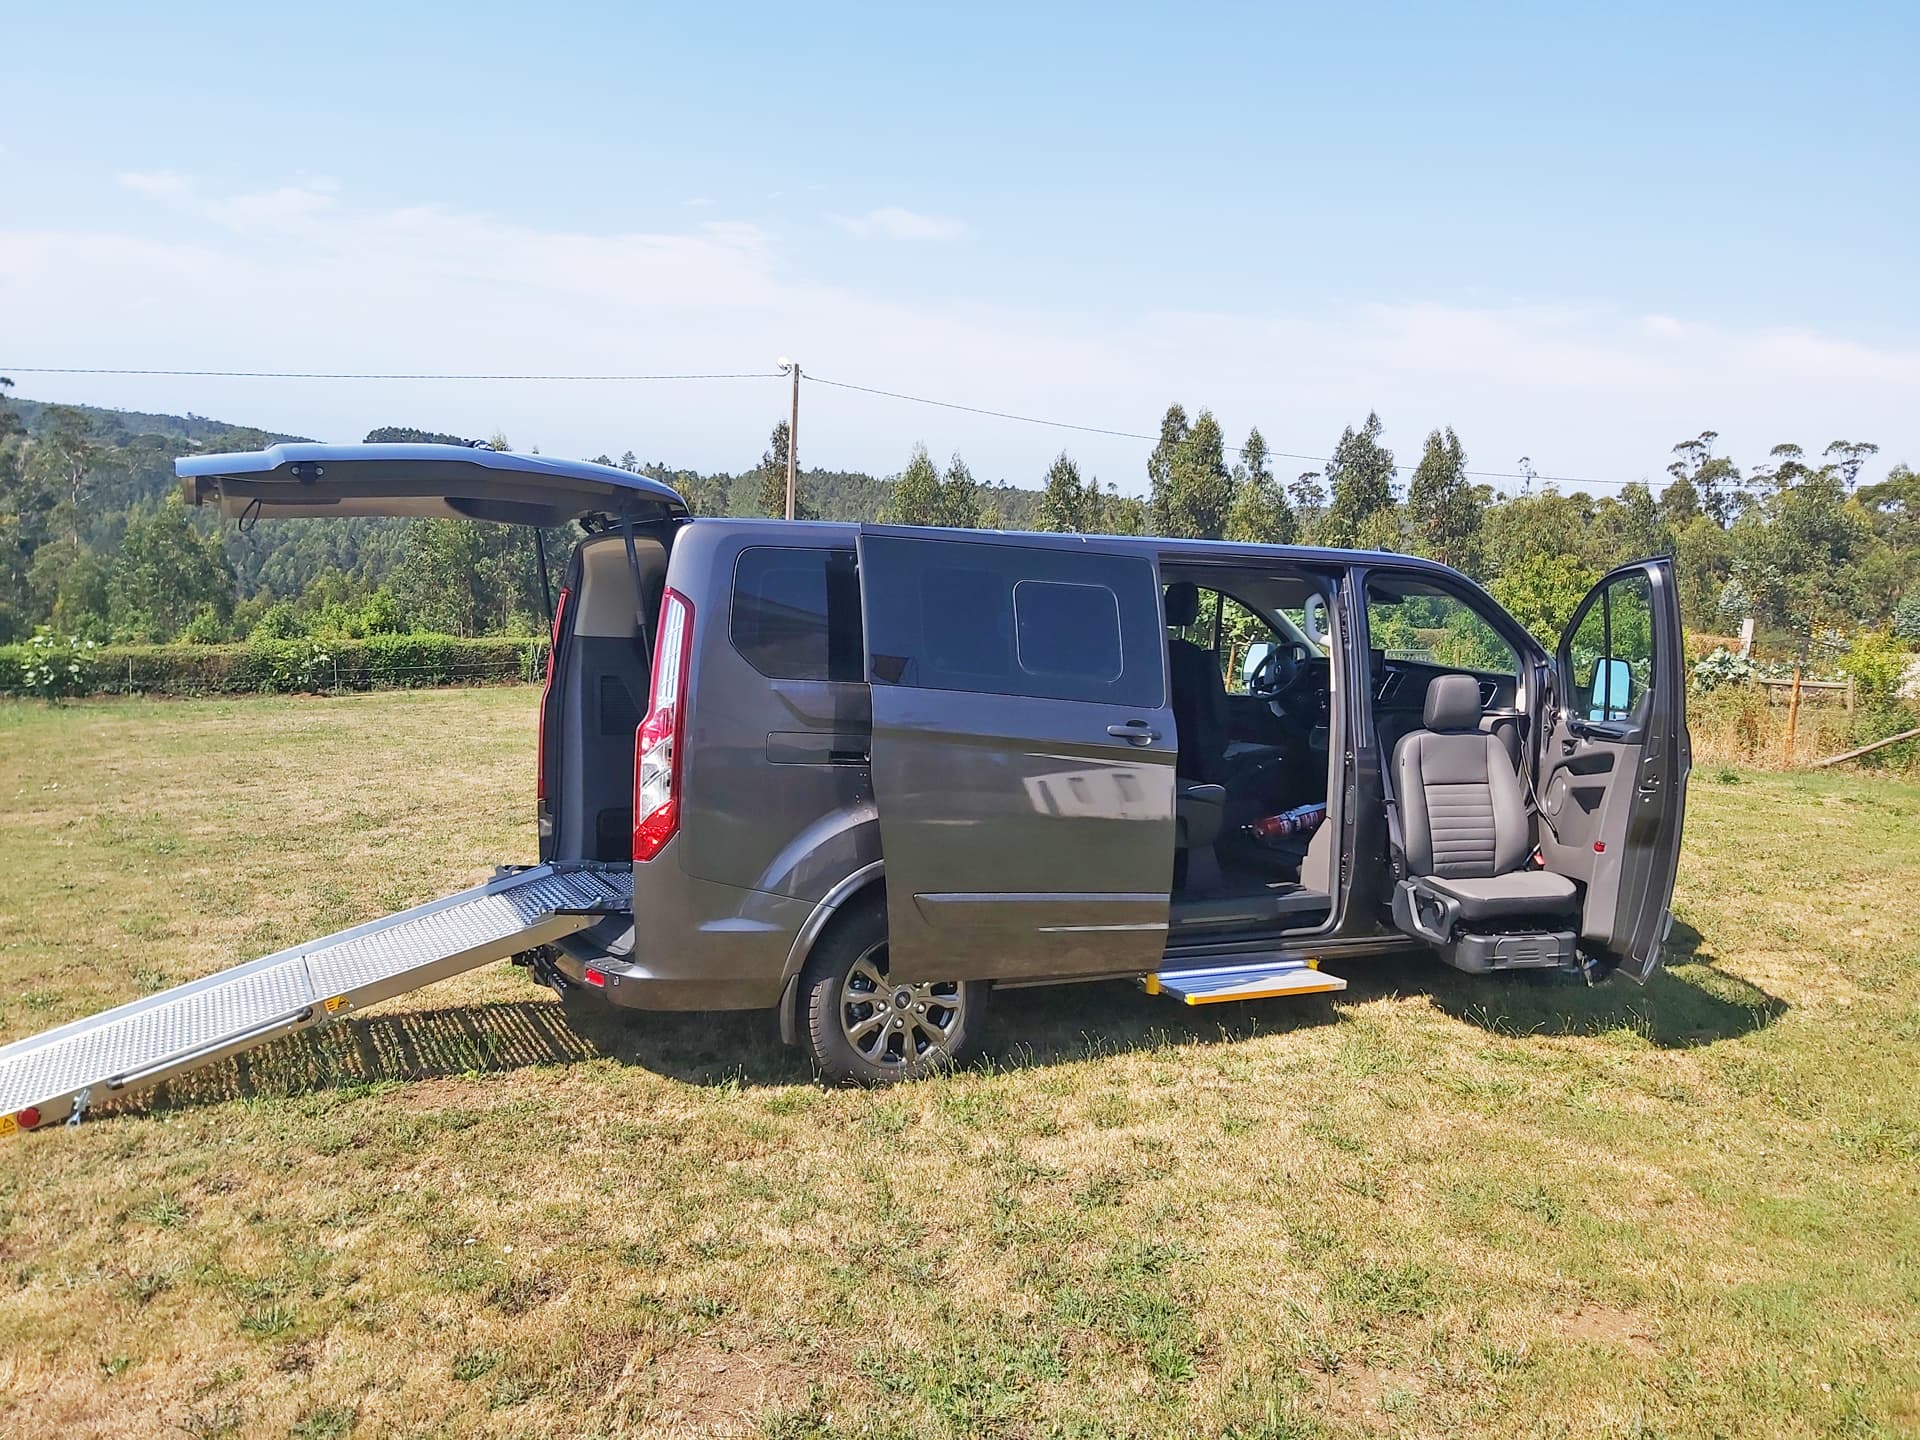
1050	623
796	613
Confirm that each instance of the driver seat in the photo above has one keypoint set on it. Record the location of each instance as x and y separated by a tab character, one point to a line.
1467	835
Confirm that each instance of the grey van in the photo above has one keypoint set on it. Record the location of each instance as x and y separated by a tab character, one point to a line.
864	774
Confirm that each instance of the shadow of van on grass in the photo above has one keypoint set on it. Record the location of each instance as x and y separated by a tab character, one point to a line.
1691	1004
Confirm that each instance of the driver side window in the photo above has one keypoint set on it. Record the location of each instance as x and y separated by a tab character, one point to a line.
1239	637
1245	640
1610	651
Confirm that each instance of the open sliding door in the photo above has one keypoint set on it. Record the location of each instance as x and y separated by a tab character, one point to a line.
1022	757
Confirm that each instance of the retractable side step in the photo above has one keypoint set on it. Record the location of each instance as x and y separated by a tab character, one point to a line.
55	1076
1243	980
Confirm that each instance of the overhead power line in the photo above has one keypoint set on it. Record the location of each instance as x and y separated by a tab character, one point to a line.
1526	478
373	375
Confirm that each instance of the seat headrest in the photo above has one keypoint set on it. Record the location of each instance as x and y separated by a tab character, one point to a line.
1183	603
1453	703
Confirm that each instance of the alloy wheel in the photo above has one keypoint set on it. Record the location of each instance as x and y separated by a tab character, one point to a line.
896	1025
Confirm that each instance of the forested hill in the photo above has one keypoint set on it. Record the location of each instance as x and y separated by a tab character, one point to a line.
95	543
121	427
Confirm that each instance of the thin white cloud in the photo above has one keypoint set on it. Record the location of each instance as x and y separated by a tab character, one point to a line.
297	278
286	208
156	184
892	222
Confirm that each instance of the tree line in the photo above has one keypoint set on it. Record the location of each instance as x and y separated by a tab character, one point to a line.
1797	542
95	541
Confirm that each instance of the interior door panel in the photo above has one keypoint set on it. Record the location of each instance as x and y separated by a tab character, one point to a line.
1614	763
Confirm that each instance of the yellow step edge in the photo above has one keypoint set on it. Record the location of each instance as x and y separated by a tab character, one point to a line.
1229	996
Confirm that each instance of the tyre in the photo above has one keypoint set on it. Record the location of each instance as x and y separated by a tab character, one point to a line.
864	1029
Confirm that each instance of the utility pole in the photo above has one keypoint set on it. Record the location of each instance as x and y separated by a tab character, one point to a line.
792	367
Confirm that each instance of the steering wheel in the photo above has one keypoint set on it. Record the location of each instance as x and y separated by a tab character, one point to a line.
1278	669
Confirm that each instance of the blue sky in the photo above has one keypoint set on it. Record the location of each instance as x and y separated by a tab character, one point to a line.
1579	237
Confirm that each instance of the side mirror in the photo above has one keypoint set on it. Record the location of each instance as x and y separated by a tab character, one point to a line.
1611	695
1251	662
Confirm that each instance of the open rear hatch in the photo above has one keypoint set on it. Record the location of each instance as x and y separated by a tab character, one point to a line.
452	482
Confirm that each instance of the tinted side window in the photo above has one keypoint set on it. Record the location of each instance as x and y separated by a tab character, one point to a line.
796	613
1013	620
1067	632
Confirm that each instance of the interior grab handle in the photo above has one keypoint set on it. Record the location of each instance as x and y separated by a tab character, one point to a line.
1136	732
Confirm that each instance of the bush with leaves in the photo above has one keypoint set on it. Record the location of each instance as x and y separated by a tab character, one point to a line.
278	622
1878	663
1718	667
55	667
1906	617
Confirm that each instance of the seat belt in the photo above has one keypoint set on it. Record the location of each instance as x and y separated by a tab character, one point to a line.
1396	837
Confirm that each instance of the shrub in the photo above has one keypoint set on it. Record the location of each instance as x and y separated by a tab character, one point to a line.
269	665
55	668
1906	617
1878	663
206	628
278	622
1720	666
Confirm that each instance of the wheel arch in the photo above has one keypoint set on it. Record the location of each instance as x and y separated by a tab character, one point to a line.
856	887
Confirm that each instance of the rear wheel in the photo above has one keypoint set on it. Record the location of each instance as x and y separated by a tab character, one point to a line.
865	1029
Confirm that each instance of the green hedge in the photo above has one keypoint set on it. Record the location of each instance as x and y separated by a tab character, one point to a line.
288	666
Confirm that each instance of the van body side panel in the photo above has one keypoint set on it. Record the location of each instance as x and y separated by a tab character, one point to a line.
777	793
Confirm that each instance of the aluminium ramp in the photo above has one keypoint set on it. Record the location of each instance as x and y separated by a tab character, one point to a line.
56	1076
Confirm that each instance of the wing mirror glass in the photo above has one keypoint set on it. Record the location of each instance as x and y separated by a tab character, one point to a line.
1251	662
1611	695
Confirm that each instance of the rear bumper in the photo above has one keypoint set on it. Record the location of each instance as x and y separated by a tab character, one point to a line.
691	944
639	986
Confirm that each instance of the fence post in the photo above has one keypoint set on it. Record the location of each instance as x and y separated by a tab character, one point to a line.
1849	694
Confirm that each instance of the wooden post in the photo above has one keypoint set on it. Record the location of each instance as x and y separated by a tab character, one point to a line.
1793	699
1793	714
1849	694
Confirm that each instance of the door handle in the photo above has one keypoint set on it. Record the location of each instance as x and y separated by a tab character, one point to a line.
1134	732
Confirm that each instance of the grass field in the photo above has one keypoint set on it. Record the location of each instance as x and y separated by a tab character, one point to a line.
1438	1206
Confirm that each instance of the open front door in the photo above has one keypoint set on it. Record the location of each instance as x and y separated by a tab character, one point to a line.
1022	757
1614	762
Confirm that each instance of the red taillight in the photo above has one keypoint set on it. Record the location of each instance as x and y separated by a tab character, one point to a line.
656	744
29	1117
546	690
